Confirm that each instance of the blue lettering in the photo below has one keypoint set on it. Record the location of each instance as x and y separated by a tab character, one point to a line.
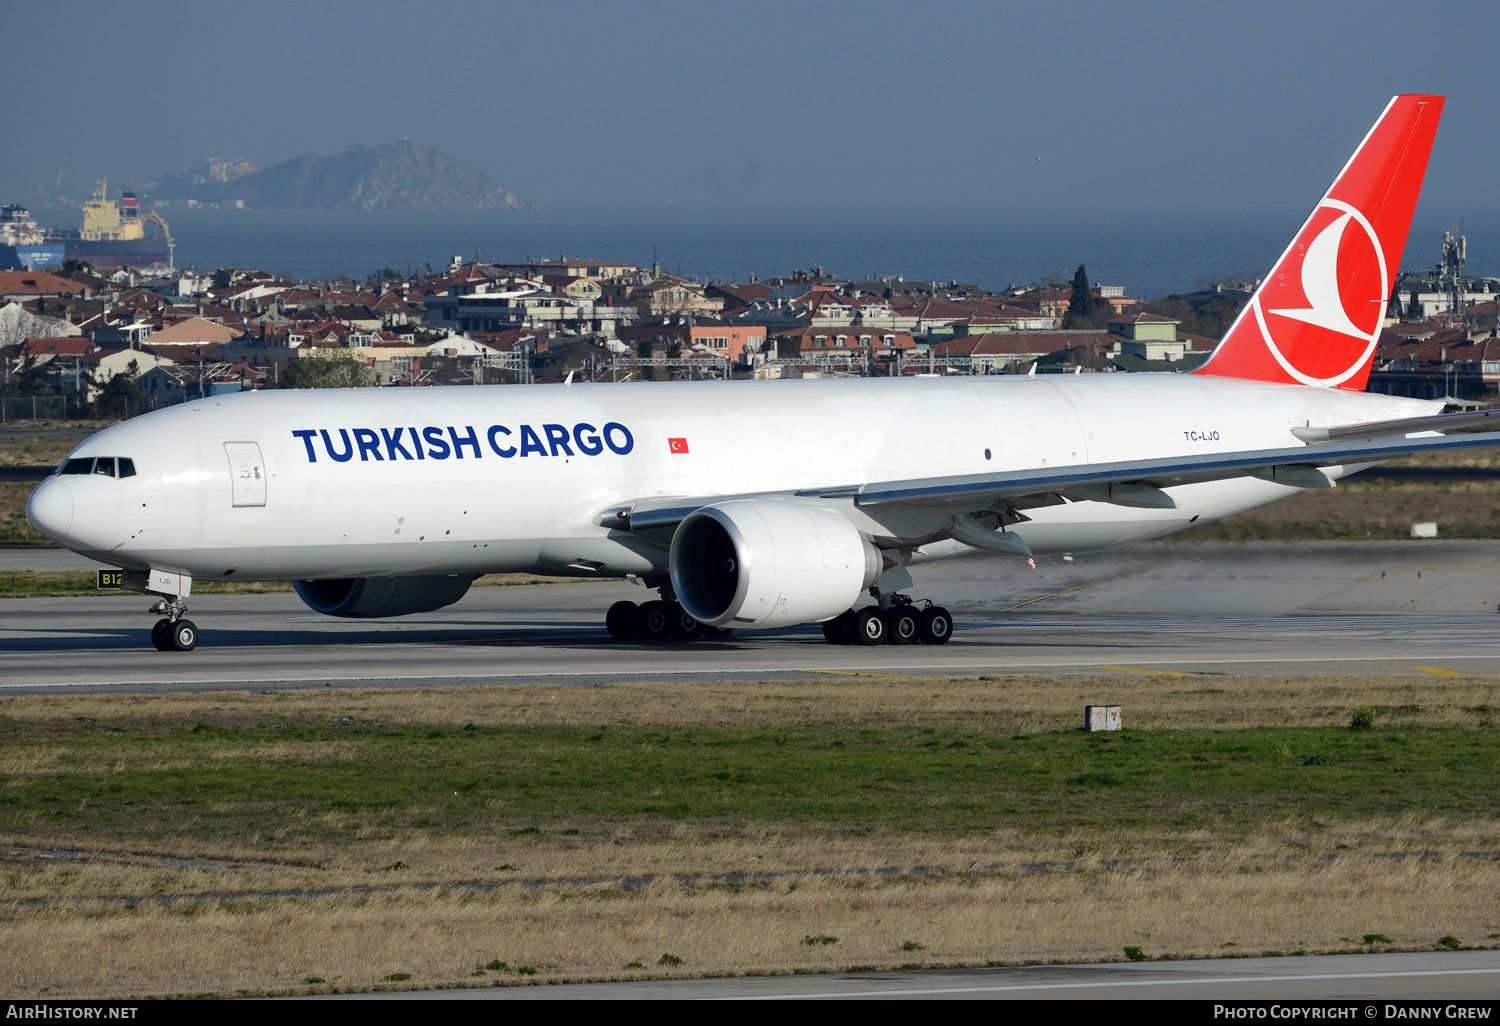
369	444
307	437
530	443
341	457
433	443
434	436
393	443
507	452
587	437
557	438
459	441
622	447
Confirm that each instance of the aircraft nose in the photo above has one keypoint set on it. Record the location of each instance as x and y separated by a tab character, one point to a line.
50	509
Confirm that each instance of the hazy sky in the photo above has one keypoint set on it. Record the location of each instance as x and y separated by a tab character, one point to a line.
765	106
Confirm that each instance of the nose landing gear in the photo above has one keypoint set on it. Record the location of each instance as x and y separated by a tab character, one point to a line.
173	633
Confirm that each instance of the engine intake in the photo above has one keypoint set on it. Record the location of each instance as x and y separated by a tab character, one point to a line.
362	597
767	563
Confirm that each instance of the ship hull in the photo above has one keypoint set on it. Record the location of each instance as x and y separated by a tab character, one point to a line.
149	252
30	258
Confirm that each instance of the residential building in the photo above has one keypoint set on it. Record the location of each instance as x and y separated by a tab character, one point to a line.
24	285
714	338
598	270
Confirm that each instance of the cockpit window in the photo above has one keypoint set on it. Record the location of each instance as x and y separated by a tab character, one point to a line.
102	465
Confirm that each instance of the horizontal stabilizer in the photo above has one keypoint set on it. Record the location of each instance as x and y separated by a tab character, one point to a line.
1405	426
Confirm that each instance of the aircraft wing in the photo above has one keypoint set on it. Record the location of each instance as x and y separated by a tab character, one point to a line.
1296	466
1127	482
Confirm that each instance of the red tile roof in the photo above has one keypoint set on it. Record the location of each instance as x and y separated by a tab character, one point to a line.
1444	347
743	293
75	345
37	283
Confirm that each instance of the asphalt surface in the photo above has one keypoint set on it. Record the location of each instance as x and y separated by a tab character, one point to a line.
1363	984
1381	608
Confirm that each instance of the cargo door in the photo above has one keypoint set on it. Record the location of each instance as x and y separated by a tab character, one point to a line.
247	473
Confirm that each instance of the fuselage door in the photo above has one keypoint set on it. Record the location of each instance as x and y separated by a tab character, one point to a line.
247	473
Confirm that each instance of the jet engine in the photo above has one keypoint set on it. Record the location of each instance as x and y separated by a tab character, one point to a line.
382	596
768	563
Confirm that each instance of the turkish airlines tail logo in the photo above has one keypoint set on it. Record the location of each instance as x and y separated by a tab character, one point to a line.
1316	318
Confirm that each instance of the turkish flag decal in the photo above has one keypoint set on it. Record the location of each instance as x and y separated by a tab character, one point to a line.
677	445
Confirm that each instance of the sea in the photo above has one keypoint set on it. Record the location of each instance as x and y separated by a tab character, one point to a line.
1149	256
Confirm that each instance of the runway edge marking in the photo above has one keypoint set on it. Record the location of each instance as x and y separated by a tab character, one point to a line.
1115	983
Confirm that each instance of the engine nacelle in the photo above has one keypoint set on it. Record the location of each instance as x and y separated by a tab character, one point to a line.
766	563
382	596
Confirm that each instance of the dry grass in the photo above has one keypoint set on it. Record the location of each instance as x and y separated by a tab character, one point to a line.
421	858
1085	915
1017	703
1373	509
15	529
42	446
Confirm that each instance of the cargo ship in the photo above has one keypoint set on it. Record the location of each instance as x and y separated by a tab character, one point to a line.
114	235
23	247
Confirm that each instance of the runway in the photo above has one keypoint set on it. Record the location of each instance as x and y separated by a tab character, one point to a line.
1449	980
1381	608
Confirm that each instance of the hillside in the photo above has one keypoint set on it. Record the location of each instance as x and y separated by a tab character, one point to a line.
394	176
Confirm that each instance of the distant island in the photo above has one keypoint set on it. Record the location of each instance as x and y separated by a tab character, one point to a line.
395	176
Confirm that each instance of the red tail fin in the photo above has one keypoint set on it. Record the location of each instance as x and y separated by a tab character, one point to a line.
1316	318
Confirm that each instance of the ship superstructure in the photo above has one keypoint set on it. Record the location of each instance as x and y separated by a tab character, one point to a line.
114	235
23	246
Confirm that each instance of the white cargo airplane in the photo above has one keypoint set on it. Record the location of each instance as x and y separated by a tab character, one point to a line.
766	504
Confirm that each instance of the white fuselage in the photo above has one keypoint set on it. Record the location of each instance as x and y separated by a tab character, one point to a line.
471	480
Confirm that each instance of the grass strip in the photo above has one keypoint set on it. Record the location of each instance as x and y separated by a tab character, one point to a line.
401	942
274	777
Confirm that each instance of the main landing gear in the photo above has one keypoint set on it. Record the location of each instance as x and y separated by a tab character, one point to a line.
172	633
656	621
902	622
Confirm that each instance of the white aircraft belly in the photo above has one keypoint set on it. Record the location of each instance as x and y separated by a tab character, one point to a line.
1086	526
